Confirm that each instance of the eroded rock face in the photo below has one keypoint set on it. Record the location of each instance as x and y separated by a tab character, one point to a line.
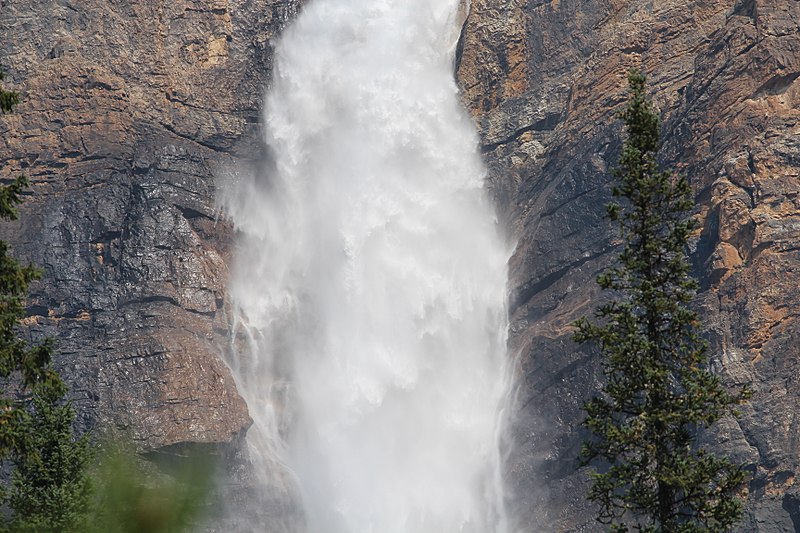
543	80
128	109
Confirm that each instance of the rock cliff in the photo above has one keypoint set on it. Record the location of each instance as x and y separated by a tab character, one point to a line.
129	108
543	80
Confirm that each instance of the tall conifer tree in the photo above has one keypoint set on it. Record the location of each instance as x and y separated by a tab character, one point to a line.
651	475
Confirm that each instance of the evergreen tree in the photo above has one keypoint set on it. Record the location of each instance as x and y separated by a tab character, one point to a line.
49	489
651	475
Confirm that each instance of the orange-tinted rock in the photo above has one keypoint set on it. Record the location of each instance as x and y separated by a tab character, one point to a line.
725	77
127	111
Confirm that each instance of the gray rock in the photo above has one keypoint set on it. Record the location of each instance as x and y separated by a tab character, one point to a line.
543	80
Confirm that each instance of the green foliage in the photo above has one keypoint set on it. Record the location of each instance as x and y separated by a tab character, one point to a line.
651	475
52	489
132	497
8	99
15	355
49	486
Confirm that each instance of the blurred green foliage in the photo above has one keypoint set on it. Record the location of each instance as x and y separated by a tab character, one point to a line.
132	495
52	487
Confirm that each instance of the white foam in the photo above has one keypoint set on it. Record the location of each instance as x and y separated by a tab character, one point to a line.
370	278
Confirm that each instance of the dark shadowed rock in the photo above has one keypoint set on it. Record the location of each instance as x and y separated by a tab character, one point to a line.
129	108
543	80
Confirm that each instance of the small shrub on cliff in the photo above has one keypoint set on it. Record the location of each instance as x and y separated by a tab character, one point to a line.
651	475
8	99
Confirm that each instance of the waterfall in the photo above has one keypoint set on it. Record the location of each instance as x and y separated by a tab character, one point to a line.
369	282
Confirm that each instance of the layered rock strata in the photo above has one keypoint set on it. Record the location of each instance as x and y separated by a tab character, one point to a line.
128	109
543	80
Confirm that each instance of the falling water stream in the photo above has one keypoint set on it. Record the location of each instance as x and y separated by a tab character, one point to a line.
369	281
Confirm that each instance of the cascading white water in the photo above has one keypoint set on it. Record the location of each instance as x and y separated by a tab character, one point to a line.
370	278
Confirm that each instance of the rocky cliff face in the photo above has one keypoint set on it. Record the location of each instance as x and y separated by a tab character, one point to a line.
543	80
127	110
130	107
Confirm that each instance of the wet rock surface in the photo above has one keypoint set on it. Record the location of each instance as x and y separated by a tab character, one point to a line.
128	110
543	80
